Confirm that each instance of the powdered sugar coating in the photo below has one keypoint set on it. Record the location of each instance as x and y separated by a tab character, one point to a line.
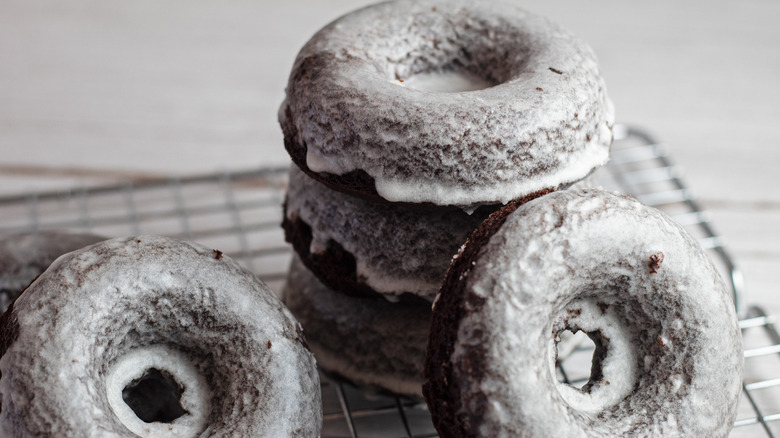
669	354
397	250
545	122
372	343
69	335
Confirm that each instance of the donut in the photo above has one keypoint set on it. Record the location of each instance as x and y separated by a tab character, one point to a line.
668	350
374	344
344	240
24	256
150	336
446	102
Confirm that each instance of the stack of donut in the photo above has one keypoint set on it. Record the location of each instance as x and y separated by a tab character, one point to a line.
409	122
439	254
416	126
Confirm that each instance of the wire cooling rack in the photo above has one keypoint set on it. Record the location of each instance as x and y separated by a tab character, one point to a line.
239	213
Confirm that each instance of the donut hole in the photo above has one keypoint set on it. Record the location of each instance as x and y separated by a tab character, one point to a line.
157	390
447	81
599	330
577	359
460	53
155	397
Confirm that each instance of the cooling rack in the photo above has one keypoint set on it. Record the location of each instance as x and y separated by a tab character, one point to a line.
239	213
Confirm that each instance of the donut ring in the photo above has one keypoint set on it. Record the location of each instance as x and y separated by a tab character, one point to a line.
668	356
24	256
353	120
111	329
340	238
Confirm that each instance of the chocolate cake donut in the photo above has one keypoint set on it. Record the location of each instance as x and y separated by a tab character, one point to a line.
448	102
370	342
339	237
24	256
149	336
668	355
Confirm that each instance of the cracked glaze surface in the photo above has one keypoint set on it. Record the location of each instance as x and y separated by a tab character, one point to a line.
545	121
120	305
669	351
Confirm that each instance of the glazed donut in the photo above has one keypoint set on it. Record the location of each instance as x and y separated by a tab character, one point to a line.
369	109
370	342
24	256
668	355
149	336
344	240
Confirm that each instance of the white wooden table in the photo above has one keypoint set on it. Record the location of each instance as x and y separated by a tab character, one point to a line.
96	92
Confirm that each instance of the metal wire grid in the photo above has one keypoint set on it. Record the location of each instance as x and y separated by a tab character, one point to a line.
239	213
640	167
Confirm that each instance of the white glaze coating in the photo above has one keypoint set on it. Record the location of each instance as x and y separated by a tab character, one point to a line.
24	256
195	399
370	342
546	121
581	259
125	301
397	250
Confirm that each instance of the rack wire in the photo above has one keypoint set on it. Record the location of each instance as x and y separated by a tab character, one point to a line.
239	213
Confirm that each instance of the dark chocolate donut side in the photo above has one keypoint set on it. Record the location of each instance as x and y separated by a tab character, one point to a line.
452	305
356	183
336	267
